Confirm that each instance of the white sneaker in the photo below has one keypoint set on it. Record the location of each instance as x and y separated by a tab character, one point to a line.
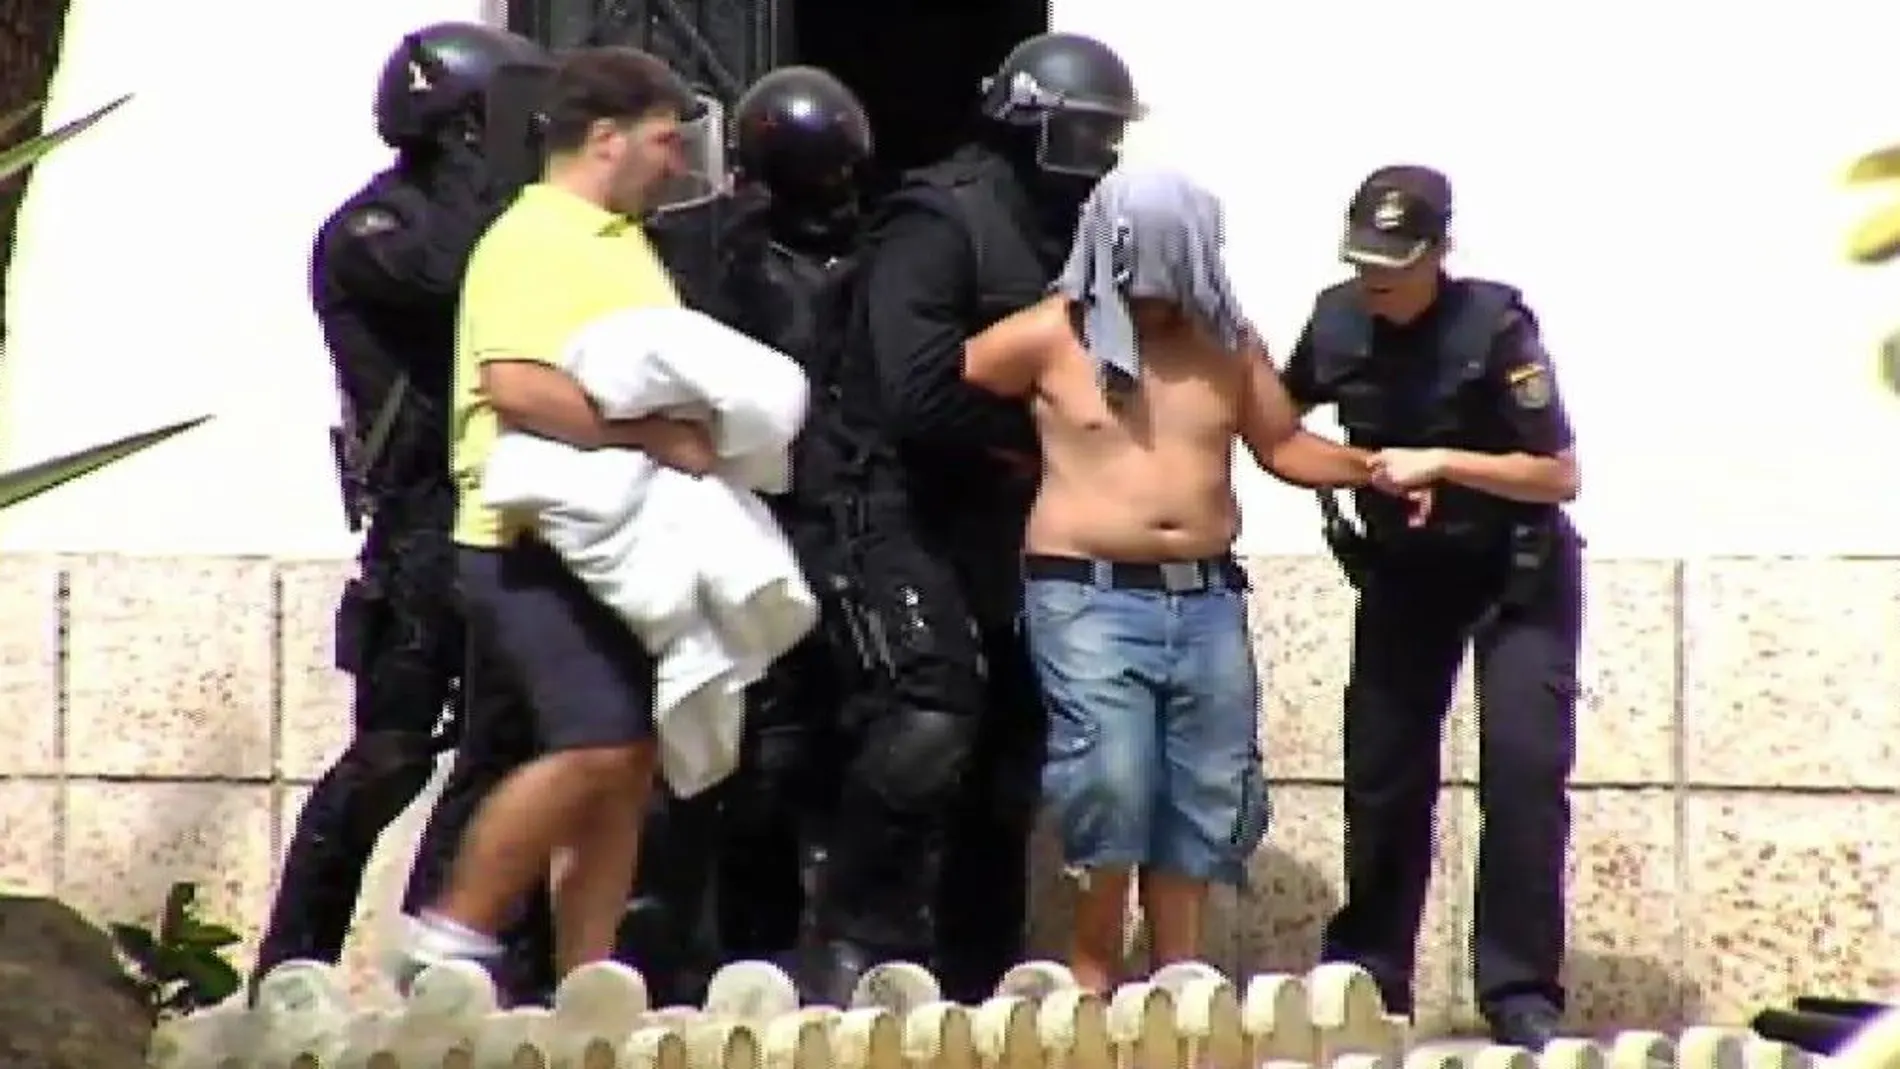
422	945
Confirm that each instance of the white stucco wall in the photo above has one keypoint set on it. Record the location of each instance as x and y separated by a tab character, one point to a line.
160	272
1664	181
1664	185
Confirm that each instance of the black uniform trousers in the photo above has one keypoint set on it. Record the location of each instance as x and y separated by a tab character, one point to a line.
496	737
1414	621
724	875
777	804
400	632
943	739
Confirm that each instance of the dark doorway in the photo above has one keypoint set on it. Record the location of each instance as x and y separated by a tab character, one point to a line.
917	64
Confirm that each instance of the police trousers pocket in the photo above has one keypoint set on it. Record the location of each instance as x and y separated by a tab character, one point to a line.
354	611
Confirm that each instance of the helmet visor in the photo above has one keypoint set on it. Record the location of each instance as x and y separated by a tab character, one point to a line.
701	176
511	124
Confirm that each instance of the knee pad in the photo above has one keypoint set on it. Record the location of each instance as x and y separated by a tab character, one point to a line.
913	761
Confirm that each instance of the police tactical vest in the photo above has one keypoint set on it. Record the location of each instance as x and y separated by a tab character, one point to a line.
1430	390
1010	275
801	308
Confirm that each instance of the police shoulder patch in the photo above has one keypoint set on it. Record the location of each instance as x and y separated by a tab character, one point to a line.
1530	385
371	222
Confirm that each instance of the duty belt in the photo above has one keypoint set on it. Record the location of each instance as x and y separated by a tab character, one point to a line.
1357	554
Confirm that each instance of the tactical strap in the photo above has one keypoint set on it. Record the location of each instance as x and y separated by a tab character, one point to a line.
370	450
964	197
1479	322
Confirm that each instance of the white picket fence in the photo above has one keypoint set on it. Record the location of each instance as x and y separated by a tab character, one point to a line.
1184	1017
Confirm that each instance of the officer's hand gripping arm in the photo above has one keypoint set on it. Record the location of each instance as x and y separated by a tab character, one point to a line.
916	285
1543	469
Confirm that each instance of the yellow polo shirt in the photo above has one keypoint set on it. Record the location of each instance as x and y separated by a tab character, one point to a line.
550	265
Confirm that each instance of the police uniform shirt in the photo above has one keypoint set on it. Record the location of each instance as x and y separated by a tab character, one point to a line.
1426	399
385	274
1518	374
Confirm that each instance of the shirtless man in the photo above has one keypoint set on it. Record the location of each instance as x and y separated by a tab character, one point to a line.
1142	372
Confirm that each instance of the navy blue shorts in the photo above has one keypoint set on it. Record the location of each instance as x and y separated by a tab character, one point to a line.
588	678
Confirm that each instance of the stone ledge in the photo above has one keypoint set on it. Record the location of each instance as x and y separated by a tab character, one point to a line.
175	710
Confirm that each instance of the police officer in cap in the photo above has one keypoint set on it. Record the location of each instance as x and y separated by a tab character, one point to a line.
930	489
386	270
1447	380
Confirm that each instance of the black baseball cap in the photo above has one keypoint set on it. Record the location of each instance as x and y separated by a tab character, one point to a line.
1398	213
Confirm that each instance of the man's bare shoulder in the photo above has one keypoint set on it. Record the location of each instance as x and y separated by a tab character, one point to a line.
1047	323
1040	332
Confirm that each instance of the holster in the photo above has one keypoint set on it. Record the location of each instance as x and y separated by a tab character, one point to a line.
1348	544
358	614
1530	548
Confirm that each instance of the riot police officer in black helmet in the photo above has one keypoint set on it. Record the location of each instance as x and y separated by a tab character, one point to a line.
801	140
927	854
385	273
771	259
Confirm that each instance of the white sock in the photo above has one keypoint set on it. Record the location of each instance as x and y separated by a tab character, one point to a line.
433	936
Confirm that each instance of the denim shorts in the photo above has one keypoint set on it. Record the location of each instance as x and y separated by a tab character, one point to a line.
1154	754
589	679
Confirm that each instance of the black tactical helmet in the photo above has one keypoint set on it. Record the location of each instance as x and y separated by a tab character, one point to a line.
439	74
1074	91
800	132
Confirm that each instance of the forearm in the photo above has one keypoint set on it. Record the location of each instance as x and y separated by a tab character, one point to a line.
1525	477
1310	461
553	406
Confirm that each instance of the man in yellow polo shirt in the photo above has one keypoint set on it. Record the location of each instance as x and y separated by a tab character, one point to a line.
565	253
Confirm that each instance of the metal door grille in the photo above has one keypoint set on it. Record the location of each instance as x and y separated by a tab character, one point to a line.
719	45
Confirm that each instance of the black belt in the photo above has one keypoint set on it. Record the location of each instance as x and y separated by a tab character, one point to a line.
1173	577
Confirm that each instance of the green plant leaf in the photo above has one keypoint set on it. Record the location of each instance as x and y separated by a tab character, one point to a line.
199	935
138	944
177	912
27	153
209	978
36	479
20	115
171	962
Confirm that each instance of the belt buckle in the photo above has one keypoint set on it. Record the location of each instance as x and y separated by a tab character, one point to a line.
1182	577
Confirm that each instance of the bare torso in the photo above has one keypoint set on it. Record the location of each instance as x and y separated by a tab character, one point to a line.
1147	476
